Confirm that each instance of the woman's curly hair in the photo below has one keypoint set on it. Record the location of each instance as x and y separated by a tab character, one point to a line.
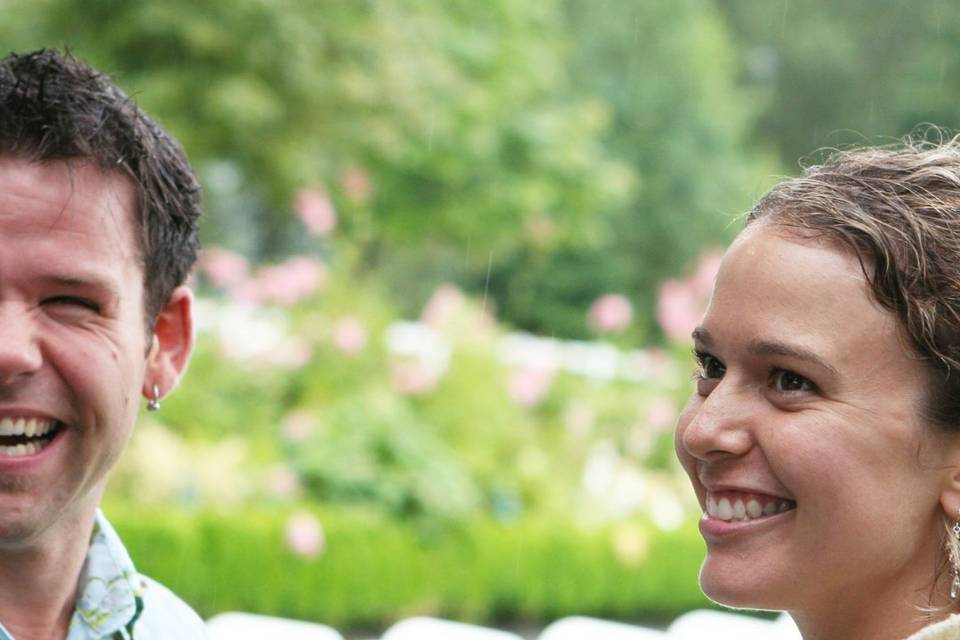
898	209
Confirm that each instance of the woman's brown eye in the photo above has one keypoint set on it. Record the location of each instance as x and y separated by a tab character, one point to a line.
709	367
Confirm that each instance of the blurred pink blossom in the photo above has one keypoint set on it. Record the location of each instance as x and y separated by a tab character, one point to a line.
283	483
356	185
527	387
224	268
443	306
315	210
289	282
682	303
349	335
304	535
297	426
706	273
414	377
292	353
661	414
247	292
610	312
679	309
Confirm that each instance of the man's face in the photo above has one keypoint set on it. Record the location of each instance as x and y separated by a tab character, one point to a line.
72	341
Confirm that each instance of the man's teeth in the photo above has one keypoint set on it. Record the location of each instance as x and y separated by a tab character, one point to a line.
39	430
738	509
19	450
29	427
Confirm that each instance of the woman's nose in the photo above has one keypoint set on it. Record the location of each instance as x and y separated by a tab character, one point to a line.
19	352
720	424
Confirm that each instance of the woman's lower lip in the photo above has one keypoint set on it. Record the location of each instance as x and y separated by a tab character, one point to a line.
717	529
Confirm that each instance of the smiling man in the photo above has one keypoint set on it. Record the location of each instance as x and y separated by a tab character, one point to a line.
98	231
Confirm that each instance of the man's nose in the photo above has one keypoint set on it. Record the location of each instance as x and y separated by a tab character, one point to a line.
19	350
722	425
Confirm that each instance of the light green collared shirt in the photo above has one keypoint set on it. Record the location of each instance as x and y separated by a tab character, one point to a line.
114	602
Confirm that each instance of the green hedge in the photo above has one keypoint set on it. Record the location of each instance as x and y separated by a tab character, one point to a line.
374	571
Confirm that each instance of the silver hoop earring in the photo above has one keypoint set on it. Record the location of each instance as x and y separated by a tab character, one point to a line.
153	404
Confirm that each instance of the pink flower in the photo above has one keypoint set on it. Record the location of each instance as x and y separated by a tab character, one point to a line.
292	353
355	183
661	414
443	306
224	268
290	282
682	303
706	273
679	309
304	535
349	335
611	312
297	426
414	377
527	387
315	210
283	483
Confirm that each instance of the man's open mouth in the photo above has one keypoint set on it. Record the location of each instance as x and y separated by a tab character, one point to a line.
26	436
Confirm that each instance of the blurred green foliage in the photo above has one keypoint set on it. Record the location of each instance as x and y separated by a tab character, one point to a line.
838	73
374	570
540	154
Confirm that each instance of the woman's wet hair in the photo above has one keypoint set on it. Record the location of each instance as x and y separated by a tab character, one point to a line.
898	209
54	107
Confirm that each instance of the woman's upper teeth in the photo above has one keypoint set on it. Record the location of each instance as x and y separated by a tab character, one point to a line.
746	506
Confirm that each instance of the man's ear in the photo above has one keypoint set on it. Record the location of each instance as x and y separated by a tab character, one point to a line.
171	344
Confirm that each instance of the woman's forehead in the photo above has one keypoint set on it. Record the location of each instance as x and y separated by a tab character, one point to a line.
774	286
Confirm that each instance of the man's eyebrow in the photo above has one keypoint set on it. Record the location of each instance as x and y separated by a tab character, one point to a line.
771	348
84	281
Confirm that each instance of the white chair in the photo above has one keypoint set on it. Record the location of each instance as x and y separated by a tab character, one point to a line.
581	628
434	629
720	625
247	626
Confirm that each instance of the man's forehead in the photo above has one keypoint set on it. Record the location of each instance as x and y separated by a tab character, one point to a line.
72	196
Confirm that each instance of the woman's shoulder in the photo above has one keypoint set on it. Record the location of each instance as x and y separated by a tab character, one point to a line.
948	629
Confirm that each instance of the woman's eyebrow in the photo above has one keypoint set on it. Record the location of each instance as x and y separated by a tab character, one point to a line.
701	335
768	348
771	348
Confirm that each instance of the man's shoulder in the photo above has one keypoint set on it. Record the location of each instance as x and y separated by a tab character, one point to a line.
165	616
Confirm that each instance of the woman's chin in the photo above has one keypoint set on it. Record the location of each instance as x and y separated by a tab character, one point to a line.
739	591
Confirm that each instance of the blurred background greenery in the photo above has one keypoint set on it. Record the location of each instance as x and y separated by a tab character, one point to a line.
453	252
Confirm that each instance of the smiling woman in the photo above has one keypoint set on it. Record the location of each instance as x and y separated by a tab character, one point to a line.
823	436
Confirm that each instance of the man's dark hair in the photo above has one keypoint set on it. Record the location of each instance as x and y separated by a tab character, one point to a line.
54	107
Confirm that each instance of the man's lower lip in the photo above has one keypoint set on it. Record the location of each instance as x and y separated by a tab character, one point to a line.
717	529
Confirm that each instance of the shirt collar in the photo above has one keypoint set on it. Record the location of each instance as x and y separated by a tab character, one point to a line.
108	593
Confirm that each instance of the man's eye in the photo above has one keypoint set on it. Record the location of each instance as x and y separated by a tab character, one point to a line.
788	381
73	301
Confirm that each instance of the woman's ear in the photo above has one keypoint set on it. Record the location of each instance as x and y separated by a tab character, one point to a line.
170	344
950	494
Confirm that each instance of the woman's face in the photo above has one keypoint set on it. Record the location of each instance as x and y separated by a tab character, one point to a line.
803	438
